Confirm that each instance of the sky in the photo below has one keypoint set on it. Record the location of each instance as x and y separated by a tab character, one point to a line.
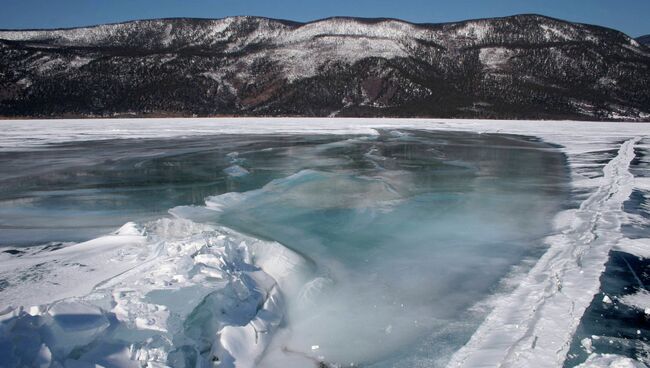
629	16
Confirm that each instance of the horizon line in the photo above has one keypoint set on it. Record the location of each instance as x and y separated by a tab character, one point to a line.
284	20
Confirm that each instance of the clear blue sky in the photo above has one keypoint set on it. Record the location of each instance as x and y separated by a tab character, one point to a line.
629	16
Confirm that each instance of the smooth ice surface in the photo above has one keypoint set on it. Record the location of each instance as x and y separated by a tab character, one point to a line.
406	234
71	191
453	225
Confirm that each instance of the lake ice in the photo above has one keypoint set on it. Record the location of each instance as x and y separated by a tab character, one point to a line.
377	245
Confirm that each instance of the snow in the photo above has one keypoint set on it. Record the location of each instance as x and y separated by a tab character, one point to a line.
70	271
637	247
167	38
343	38
298	60
192	263
217	77
576	136
66	37
24	82
587	344
335	39
494	57
49	65
112	34
302	49
583	107
78	61
245	344
553	33
610	361
166	58
636	49
149	279
476	30
639	300
607	82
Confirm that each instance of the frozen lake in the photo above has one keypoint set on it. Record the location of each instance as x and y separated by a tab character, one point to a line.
282	243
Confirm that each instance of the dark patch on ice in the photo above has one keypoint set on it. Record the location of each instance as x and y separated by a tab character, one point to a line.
615	324
600	157
34	273
640	165
637	205
53	246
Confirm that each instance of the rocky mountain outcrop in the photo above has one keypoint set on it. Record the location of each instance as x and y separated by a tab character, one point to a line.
644	40
525	66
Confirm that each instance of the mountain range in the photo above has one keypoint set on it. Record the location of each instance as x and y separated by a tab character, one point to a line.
518	67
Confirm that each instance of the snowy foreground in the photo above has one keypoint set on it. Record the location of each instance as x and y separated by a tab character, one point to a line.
532	326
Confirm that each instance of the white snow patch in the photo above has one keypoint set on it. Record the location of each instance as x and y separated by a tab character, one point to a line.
475	30
610	361
494	57
24	82
640	300
304	59
636	49
606	81
217	77
607	299
167	38
79	61
583	107
70	271
554	33
637	247
167	58
49	64
587	344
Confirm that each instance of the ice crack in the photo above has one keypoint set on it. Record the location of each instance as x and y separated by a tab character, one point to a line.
533	326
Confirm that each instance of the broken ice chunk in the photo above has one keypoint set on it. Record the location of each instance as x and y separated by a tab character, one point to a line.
236	171
75	324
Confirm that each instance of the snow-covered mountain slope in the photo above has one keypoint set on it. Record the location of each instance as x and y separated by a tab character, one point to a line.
525	66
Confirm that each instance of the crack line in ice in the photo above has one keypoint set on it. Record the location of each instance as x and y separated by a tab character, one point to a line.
534	325
636	277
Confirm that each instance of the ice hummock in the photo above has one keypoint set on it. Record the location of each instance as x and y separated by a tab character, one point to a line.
209	287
